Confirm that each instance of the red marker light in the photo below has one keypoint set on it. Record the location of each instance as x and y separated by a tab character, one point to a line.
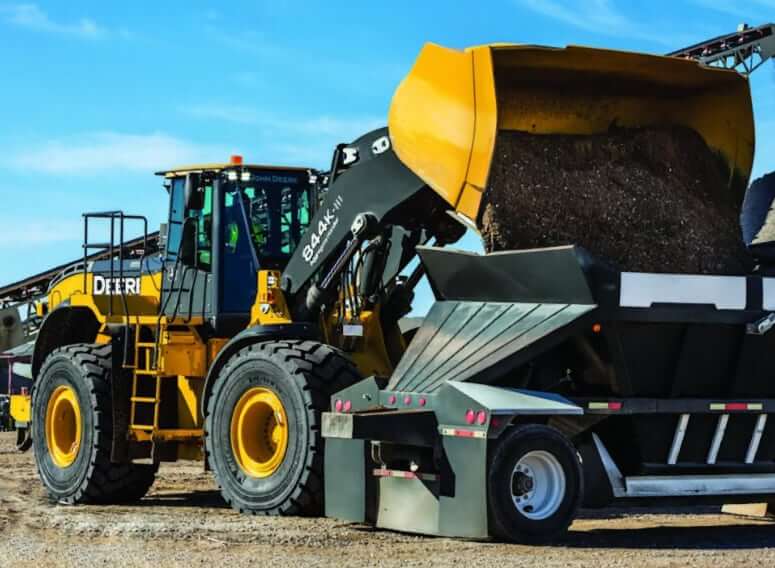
422	402
347	406
481	417
338	405
470	416
392	399
407	400
235	160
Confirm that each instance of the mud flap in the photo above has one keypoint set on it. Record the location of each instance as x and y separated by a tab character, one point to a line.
346	480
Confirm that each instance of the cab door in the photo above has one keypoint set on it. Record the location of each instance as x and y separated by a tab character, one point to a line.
187	284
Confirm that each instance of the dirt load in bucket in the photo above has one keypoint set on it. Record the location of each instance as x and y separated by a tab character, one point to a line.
650	200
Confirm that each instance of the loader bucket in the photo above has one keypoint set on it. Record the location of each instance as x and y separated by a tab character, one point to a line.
446	114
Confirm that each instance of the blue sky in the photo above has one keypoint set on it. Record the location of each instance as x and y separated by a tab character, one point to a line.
98	95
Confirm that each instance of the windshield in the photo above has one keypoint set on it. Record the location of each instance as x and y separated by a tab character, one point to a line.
277	208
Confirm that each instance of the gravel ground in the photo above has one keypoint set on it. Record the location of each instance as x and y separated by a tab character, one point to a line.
183	522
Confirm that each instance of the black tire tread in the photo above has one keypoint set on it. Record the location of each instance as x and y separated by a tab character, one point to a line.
106	482
320	371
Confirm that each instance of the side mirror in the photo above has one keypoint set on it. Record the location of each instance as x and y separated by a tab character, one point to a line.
194	192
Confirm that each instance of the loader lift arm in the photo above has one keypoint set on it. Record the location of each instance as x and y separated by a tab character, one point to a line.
375	208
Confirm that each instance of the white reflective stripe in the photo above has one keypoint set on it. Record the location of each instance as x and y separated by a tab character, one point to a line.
768	293
718	437
678	439
642	290
753	447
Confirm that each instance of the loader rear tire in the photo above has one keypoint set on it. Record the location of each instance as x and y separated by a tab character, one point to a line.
277	389
72	444
535	484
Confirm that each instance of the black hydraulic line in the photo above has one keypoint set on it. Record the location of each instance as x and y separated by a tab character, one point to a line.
316	293
340	263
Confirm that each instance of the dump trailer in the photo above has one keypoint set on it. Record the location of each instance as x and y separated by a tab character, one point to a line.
547	379
277	288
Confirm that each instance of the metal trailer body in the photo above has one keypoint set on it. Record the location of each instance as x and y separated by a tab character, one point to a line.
661	382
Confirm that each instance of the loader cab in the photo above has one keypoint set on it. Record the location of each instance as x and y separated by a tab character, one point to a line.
226	222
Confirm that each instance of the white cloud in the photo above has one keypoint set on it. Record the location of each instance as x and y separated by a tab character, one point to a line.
326	126
14	233
601	17
297	141
315	64
32	17
749	9
114	151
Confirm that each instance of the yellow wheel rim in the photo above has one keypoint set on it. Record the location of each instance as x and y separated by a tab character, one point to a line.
259	432
63	426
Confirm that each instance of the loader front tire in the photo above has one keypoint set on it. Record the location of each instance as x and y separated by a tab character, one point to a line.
73	428
535	484
262	430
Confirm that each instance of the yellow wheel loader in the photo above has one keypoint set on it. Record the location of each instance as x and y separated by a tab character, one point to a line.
273	290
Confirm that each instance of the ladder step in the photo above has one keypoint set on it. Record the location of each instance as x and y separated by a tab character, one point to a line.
147	372
177	434
145	344
144	399
145	427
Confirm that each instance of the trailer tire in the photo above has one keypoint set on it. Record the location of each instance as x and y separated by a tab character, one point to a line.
535	484
77	377
279	388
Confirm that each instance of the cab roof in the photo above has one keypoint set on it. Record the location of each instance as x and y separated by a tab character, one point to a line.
217	167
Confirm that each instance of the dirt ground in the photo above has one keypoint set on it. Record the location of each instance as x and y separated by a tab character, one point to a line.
183	522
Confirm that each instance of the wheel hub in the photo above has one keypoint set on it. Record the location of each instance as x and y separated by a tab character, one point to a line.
63	426
259	432
538	485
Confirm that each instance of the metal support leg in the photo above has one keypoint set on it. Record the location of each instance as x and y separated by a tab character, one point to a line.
753	447
678	439
718	437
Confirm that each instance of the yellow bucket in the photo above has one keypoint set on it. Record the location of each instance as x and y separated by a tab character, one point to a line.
446	113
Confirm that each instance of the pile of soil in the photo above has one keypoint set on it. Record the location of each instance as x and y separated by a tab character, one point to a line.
650	200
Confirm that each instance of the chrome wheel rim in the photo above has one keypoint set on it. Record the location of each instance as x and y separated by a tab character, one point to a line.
538	485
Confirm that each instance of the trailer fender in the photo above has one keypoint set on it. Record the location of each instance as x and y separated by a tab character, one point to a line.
463	510
501	403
